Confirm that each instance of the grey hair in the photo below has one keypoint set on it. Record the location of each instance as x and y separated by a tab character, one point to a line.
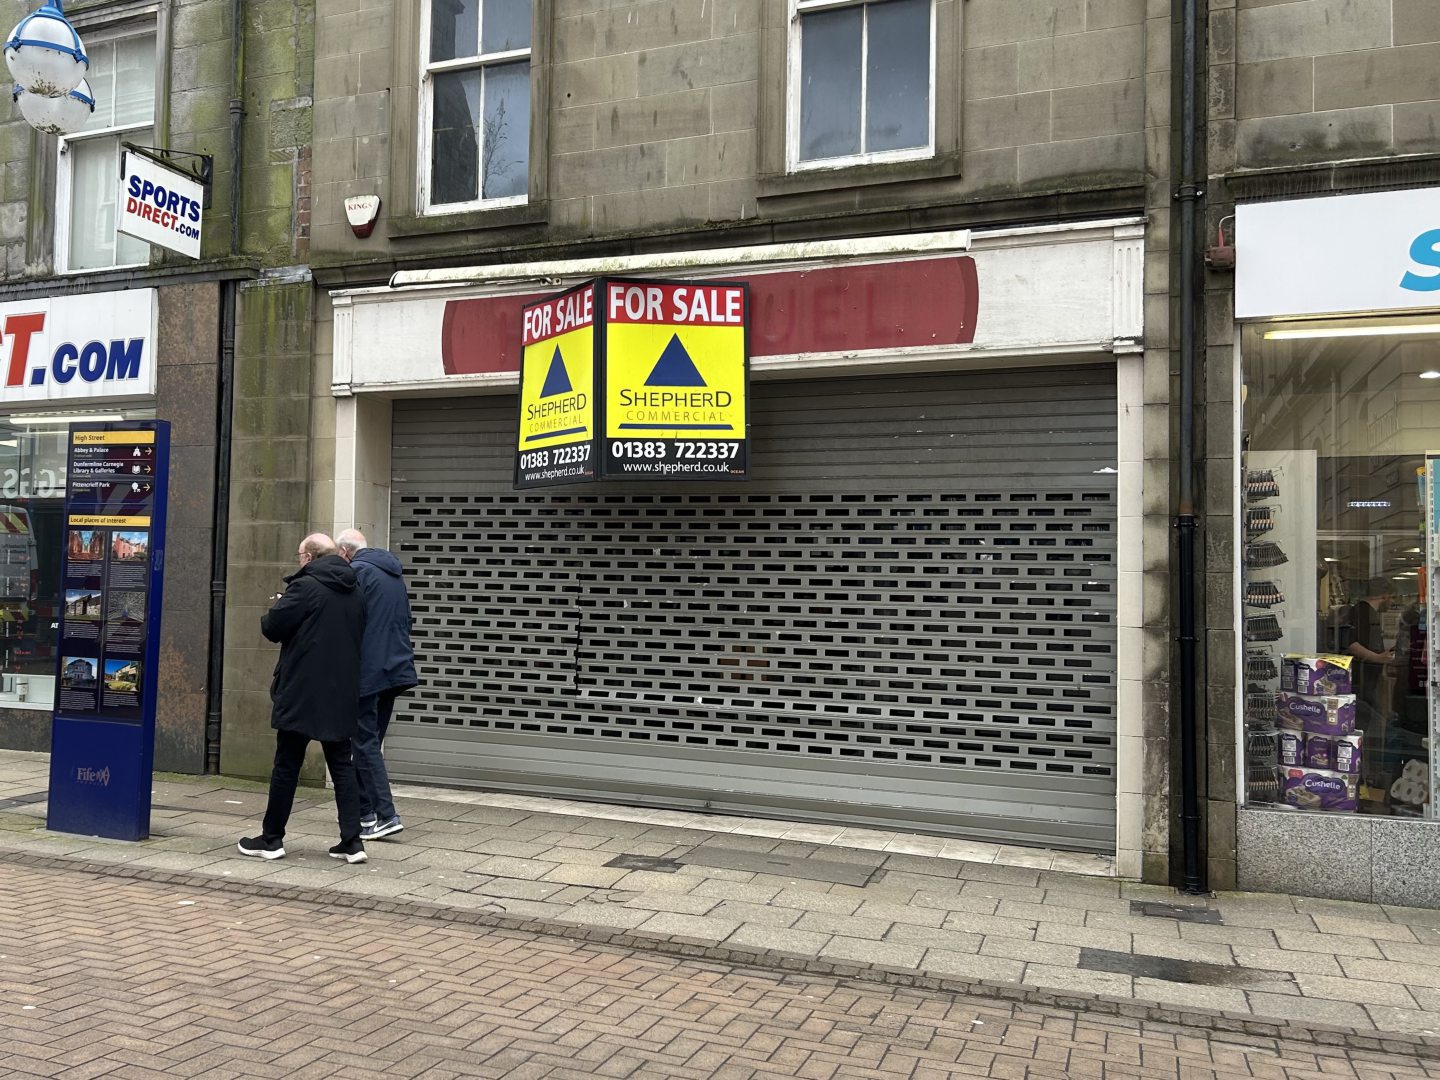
351	540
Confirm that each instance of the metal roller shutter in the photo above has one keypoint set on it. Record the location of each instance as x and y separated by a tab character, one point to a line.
905	619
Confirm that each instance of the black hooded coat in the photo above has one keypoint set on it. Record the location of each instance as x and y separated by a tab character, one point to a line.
319	623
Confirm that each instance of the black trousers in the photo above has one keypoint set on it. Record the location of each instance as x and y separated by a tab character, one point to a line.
285	776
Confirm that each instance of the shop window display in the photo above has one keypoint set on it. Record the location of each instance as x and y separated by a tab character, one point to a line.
1340	535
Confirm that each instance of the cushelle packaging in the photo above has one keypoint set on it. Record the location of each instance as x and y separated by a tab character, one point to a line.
1303	673
1320	789
1290	748
1338	753
1319	714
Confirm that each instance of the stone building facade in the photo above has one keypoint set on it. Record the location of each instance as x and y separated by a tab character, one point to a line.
232	81
1022	454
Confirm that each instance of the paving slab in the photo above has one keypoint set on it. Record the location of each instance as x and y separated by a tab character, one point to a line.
795	897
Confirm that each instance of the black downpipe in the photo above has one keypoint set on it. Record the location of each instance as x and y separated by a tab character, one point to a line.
1189	195
219	553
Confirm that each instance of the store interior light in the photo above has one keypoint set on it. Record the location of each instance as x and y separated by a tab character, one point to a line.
1430	374
1352	331
21	420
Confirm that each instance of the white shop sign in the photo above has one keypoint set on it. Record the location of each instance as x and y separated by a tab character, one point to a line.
83	348
1337	255
159	205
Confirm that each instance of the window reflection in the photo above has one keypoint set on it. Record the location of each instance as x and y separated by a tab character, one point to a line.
32	532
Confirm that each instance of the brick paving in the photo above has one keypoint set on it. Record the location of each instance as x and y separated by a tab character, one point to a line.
127	979
1260	964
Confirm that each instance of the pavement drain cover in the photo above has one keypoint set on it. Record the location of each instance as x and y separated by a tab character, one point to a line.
1179	971
1175	911
644	862
23	800
779	865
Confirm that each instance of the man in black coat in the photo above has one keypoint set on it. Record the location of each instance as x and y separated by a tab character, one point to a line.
387	670
319	621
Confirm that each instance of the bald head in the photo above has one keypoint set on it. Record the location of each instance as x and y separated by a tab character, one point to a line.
350	541
317	544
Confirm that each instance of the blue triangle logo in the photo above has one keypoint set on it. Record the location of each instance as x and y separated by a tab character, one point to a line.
557	379
675	368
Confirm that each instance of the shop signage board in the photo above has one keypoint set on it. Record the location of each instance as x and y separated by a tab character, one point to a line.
90	347
558	430
634	379
158	205
108	639
1342	254
676	378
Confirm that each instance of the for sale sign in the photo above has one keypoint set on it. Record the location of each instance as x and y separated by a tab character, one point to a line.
159	205
676	380
558	430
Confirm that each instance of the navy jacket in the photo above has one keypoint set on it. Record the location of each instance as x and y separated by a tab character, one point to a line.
319	623
387	660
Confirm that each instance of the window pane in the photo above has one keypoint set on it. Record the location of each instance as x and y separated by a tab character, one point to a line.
1339	438
122	75
897	113
134	81
830	83
507	25
454	28
94	185
455	150
506	158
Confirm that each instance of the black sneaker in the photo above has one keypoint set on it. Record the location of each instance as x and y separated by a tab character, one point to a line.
353	852
261	848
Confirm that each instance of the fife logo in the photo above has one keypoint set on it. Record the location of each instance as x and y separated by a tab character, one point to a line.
90	362
84	774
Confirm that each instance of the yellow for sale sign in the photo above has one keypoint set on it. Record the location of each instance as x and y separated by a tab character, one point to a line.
558	427
675	380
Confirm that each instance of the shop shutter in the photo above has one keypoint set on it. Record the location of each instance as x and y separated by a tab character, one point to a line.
905	619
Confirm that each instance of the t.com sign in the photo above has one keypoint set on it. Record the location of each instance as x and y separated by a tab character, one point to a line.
90	347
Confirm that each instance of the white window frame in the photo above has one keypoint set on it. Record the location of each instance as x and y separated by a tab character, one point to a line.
427	110
800	8
63	172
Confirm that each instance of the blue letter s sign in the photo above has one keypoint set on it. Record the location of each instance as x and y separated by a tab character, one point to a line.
1425	251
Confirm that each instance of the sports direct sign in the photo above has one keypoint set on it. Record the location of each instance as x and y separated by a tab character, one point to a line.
64	349
159	205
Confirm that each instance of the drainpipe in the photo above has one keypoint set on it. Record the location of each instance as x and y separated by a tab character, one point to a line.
1188	195
220	529
237	116
220	522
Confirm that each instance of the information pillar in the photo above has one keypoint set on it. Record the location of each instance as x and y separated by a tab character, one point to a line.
102	744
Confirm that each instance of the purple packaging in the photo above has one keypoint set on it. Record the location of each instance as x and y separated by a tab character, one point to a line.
1332	714
1291	748
1319	752
1347	753
1320	789
1306	674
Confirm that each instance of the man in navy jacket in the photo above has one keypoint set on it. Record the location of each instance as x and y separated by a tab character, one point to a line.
387	670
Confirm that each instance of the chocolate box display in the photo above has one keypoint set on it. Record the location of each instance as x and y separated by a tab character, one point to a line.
1320	789
1303	673
1331	714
